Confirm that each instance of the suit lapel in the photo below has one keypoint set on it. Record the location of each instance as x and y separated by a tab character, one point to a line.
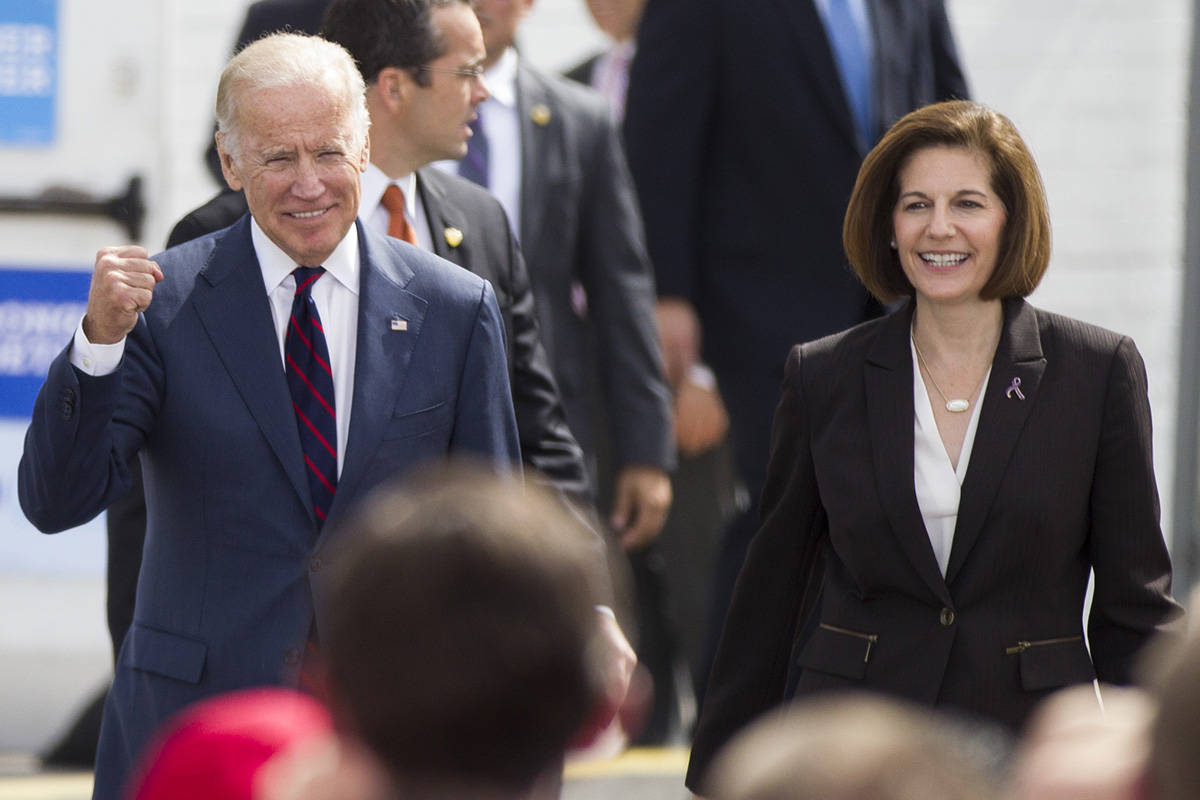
888	380
443	215
382	358
539	147
237	317
813	46
1018	356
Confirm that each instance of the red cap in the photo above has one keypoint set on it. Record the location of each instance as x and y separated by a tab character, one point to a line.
213	749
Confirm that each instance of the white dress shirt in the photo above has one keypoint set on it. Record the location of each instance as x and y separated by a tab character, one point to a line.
502	126
336	298
937	482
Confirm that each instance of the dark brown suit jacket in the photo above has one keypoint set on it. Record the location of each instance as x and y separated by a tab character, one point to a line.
1060	481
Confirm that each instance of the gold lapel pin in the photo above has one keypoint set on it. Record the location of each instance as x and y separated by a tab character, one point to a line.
398	323
540	115
453	236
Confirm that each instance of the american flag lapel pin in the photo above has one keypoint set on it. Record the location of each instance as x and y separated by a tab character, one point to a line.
399	323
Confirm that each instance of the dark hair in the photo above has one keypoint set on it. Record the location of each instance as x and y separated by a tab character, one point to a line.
387	33
1025	242
461	631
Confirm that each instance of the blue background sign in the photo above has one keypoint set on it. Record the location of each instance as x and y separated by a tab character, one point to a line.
28	71
39	310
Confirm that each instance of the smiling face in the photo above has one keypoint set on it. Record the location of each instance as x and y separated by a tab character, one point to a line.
299	161
947	223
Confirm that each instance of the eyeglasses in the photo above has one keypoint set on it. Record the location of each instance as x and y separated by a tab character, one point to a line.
473	73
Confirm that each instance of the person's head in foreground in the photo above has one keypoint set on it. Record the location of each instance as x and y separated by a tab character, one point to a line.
461	645
1173	678
1075	748
852	747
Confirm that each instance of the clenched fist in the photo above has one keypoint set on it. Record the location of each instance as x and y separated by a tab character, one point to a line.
122	287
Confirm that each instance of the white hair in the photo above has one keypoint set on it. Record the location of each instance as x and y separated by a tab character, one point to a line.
290	59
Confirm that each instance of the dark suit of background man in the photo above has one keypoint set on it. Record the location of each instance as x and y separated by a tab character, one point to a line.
233	584
745	126
556	165
671	577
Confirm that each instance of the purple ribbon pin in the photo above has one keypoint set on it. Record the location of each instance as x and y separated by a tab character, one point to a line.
1015	388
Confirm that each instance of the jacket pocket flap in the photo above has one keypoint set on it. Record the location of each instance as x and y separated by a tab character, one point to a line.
1049	666
412	423
166	654
838	652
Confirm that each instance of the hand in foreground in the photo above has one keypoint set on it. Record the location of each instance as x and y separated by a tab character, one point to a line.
679	335
122	287
326	768
641	499
701	421
625	701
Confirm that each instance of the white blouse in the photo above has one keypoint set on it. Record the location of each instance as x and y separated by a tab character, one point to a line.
938	483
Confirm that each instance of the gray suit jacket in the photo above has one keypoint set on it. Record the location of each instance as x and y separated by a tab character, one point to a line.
488	249
581	228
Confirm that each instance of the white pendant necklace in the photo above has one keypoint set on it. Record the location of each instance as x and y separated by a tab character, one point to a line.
958	404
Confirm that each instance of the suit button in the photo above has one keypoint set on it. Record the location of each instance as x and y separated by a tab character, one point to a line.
315	564
947	617
292	656
67	404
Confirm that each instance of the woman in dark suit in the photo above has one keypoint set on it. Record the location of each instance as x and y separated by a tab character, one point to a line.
942	480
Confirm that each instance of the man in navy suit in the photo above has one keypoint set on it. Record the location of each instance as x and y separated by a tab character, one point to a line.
182	359
745	124
417	115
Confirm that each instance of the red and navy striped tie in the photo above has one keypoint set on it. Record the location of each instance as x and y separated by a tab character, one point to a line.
310	381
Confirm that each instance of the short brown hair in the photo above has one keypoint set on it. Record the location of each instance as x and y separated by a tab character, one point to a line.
462	628
1025	242
856	747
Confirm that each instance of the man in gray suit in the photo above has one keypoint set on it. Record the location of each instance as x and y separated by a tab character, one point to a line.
554	161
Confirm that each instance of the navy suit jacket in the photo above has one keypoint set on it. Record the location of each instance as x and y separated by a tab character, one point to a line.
744	152
1060	482
743	148
234	564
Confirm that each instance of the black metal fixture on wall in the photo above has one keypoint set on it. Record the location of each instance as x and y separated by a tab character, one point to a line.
127	209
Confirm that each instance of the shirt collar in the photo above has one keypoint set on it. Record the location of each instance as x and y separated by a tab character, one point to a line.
276	265
375	183
501	79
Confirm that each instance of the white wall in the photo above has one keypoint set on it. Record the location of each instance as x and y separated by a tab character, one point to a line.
1099	90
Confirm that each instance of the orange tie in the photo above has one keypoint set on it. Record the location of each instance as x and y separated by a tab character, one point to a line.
393	201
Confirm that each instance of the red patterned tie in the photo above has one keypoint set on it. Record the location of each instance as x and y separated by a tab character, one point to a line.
310	381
